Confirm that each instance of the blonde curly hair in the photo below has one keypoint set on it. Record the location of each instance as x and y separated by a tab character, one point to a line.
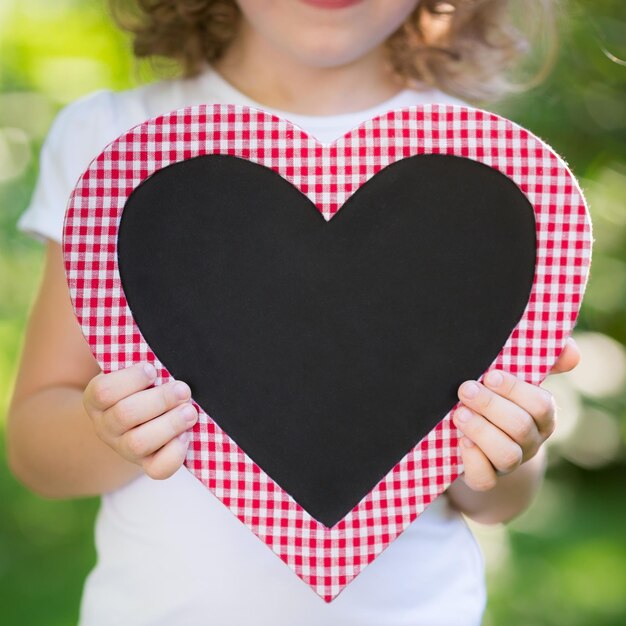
466	48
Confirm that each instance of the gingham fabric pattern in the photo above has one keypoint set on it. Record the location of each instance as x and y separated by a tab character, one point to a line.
327	559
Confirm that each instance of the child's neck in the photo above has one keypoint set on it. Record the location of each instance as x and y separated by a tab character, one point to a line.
254	67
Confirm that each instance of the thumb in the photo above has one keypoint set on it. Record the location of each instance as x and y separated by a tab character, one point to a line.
568	359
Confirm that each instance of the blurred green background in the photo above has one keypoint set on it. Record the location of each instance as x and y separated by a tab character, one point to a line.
563	562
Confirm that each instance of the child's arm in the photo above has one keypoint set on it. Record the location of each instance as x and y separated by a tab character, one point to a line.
507	422
74	431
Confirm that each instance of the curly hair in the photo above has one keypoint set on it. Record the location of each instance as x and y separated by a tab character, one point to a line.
466	48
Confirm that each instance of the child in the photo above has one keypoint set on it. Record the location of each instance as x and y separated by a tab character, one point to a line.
168	551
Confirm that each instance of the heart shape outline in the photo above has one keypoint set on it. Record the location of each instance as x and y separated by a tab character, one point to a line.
328	174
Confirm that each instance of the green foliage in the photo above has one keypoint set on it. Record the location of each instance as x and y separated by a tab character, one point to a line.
564	558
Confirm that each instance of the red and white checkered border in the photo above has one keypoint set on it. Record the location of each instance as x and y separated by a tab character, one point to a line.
327	559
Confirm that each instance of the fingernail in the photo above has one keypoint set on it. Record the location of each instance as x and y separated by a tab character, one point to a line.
181	390
468	443
188	413
150	370
470	389
184	437
463	415
494	378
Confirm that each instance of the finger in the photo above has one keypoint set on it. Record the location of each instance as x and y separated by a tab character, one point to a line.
143	440
145	405
508	416
503	453
105	390
479	474
568	359
166	461
535	400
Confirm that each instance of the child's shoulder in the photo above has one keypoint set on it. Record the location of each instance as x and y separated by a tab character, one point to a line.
105	114
433	95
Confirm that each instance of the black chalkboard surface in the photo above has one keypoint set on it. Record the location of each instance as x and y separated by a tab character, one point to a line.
327	349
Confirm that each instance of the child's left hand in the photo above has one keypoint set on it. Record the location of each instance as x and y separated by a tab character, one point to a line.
505	421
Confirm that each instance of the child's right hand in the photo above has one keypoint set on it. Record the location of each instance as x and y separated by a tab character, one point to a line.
145	426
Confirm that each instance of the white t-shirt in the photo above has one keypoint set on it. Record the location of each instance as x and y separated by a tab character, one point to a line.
169	552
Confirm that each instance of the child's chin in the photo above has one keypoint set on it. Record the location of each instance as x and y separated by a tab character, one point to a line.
331	52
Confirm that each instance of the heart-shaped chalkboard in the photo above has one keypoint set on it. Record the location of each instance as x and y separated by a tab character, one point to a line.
327	350
324	302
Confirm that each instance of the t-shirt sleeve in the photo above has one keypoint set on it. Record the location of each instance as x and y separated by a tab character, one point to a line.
75	138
